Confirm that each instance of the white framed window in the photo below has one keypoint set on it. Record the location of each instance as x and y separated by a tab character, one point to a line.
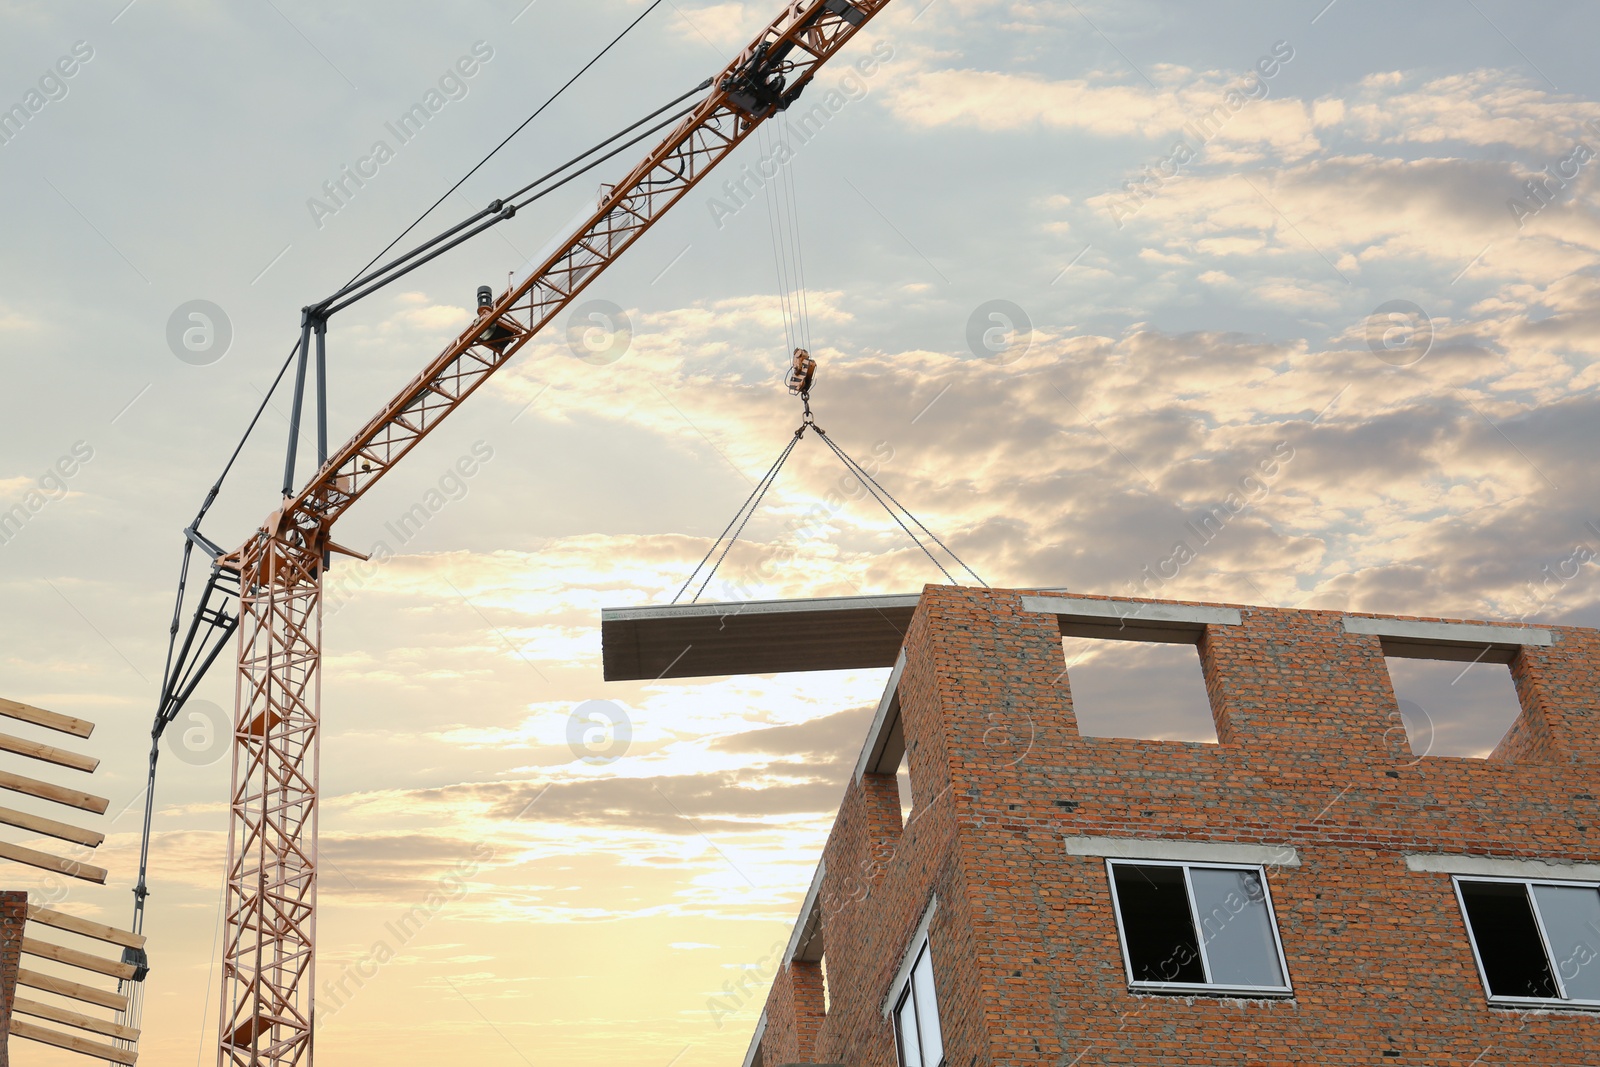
1188	927
1536	941
917	1036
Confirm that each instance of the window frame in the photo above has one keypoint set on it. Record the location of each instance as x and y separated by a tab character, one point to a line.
1193	988
908	992
1544	941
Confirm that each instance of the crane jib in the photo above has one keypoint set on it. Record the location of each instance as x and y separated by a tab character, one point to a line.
799	41
269	960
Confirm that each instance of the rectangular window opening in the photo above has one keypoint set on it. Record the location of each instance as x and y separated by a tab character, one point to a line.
918	1037
1450	708
1535	941
1187	927
1154	691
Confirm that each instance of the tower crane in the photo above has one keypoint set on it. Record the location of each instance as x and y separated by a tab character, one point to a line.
268	592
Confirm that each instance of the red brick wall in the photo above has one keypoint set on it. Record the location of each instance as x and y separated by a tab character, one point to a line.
13	916
1026	957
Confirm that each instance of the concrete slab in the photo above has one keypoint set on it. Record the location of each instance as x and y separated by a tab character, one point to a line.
753	637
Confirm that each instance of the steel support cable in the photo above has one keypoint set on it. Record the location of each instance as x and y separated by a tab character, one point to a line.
702	87
393	272
932	536
850	467
261	408
761	495
872	486
359	279
497	205
766	478
692	574
539	111
505	212
167	679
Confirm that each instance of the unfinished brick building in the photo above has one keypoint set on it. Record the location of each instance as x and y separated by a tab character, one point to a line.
1303	890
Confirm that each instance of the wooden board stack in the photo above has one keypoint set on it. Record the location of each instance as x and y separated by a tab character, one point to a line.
67	998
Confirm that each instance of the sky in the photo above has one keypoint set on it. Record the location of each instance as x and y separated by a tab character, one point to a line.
1076	275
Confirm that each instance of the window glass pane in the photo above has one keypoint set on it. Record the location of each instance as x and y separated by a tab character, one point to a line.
927	1011
1571	917
905	1024
1156	924
1508	939
1240	943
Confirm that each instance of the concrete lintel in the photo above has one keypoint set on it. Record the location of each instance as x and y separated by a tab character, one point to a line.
1502	867
753	637
1152	848
1412	639
1131	620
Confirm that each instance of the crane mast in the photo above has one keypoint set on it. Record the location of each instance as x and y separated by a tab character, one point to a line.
269	955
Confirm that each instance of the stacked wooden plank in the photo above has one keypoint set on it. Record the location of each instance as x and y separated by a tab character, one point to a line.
84	1032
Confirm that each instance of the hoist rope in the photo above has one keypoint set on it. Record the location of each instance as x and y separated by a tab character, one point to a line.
791	336
783	222
803	300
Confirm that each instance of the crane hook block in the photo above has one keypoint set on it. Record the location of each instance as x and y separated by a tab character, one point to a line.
801	372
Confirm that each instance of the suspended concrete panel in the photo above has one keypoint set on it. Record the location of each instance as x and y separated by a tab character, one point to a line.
753	637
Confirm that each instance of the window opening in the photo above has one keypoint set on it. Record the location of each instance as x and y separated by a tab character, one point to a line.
1535	940
1186	925
1450	708
1138	689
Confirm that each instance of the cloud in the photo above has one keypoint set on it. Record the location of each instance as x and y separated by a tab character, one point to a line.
1191	106
1482	107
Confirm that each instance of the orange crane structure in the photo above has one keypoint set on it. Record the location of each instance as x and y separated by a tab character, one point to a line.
269	952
